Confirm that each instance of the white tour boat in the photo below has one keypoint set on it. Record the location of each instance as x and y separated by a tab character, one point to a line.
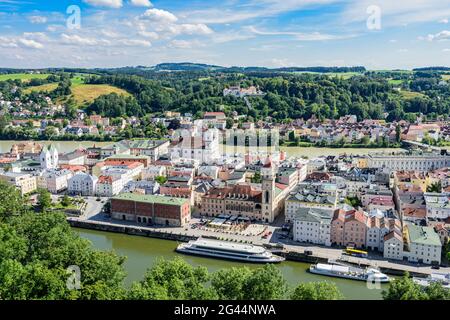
442	278
348	272
229	250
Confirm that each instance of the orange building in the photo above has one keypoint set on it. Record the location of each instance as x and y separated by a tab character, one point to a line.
349	228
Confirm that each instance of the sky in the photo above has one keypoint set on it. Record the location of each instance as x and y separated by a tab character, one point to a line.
377	34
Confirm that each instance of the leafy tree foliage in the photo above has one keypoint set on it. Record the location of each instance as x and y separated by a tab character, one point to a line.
316	291
406	289
173	280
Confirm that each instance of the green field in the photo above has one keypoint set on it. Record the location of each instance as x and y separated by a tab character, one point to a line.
395	82
81	92
343	75
446	76
410	95
22	76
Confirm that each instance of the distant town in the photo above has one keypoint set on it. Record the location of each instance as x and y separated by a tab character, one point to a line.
396	205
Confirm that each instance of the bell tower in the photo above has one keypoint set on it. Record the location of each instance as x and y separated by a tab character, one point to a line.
268	190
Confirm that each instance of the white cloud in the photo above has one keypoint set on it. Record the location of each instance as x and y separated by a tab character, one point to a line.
29	43
158	15
445	21
7	42
312	36
190	29
135	43
105	3
440	36
75	39
37	19
399	12
40	36
184	44
446	50
149	34
141	3
250	9
110	33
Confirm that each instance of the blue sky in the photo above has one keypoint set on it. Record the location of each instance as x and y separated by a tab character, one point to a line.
379	34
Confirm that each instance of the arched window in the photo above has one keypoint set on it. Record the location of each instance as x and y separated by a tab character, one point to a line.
267	197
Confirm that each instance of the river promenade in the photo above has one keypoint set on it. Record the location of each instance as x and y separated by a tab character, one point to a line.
291	250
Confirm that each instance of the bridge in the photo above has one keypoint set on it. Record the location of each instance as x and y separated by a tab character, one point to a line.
423	145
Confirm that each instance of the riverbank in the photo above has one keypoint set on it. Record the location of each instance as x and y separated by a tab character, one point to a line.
142	252
292	251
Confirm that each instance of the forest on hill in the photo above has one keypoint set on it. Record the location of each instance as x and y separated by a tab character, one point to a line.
289	94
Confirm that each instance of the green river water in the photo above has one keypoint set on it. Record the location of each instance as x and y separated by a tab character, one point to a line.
143	252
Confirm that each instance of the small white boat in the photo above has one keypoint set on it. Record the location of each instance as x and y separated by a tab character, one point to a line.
347	272
442	278
229	250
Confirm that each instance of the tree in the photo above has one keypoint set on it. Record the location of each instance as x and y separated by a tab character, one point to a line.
44	199
12	203
398	133
229	283
404	289
173	280
436	291
322	290
266	283
66	201
37	249
161	179
256	177
435	187
229	123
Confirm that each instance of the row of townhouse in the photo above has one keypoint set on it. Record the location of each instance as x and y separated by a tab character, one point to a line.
358	229
343	228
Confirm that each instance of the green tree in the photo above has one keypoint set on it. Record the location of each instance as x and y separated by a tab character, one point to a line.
436	291
66	201
435	187
322	290
404	289
44	199
229	123
398	133
37	249
266	283
173	280
229	283
257	178
12	203
161	179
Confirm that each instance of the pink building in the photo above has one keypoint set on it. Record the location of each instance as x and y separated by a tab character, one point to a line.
349	228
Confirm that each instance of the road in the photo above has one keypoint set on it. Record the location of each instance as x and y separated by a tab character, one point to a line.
94	215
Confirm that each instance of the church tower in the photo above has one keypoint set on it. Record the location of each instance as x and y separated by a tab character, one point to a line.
268	190
49	158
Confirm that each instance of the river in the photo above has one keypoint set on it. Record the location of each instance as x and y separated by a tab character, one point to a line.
310	152
61	146
143	252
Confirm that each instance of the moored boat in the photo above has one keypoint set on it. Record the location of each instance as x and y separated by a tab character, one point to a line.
347	272
229	251
442	278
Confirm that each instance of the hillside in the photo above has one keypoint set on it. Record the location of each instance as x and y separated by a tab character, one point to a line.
23	76
82	93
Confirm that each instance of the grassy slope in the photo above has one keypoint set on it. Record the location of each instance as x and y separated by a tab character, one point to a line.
22	76
82	93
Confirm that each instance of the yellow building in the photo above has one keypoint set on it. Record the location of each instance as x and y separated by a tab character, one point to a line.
26	183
